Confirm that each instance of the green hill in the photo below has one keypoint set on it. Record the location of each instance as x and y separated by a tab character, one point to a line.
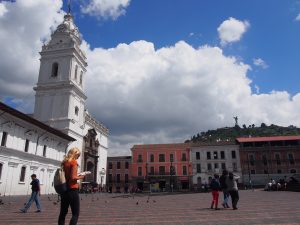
231	133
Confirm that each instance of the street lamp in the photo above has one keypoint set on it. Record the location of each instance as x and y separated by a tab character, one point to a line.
171	172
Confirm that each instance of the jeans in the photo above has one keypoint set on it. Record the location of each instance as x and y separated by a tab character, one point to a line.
69	198
226	197
34	197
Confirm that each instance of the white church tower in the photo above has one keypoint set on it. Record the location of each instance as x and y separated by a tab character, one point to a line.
60	97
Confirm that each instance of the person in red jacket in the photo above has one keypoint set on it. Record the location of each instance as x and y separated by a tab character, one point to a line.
71	196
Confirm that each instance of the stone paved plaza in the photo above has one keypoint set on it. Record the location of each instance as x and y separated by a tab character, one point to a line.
255	207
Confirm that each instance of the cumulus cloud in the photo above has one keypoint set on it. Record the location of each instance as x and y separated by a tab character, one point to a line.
232	30
260	63
298	17
23	26
105	8
143	94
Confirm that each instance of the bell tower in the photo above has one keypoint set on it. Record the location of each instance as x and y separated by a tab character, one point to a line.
60	97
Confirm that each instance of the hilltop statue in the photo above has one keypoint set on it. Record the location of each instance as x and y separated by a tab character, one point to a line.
236	120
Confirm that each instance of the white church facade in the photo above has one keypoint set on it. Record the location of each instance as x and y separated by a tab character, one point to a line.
59	106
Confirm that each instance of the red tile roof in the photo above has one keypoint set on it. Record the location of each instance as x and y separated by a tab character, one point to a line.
274	138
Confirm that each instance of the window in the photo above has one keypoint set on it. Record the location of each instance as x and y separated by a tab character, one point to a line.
54	72
266	172
80	79
151	158
234	167
184	170
292	171
197	155
118	178
76	110
44	150
110	165
291	158
277	157
151	170
252	171
264	159
222	155
183	157
126	178
76	70
208	155
161	157
139	171
4	139
209	167
110	178
140	158
198	168
215	155
279	171
251	159
126	165
223	165
162	170
171	158
1	166
26	145
118	165
22	175
233	154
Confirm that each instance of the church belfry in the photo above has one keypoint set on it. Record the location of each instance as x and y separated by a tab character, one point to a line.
60	97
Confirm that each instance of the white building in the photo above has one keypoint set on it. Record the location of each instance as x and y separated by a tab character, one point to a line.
60	105
209	159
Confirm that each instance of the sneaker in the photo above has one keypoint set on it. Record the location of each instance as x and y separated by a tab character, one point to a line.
38	211
235	208
23	210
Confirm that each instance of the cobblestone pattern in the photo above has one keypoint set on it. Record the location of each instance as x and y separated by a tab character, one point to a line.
255	207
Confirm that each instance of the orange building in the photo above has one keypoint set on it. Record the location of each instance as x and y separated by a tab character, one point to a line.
161	167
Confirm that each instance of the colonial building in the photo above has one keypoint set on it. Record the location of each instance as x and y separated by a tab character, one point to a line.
263	158
28	146
60	97
212	158
118	170
60	121
160	167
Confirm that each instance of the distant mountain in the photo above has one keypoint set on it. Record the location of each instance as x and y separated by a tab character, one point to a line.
231	133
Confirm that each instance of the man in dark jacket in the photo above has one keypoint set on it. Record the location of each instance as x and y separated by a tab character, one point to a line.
35	187
224	188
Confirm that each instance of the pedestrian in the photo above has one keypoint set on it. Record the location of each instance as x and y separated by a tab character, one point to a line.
35	187
215	188
71	196
232	188
224	188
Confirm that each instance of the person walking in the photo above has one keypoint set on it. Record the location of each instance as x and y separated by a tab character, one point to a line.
232	188
71	196
215	187
35	187
224	188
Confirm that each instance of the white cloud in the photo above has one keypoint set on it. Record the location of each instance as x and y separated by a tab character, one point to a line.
105	8
23	26
298	17
260	63
232	30
3	9
143	94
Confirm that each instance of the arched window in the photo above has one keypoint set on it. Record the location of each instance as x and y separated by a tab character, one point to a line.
80	81
76	110
22	174
54	69
76	70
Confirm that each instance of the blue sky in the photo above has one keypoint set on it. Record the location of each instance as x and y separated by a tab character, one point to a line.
160	71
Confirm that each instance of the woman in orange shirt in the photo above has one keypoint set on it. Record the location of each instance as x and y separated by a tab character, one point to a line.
71	196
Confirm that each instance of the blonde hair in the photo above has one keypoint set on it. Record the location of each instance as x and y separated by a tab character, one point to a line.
72	155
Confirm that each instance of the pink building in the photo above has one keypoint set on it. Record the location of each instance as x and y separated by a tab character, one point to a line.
161	167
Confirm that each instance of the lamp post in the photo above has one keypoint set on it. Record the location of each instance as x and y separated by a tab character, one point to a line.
249	174
171	173
146	177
